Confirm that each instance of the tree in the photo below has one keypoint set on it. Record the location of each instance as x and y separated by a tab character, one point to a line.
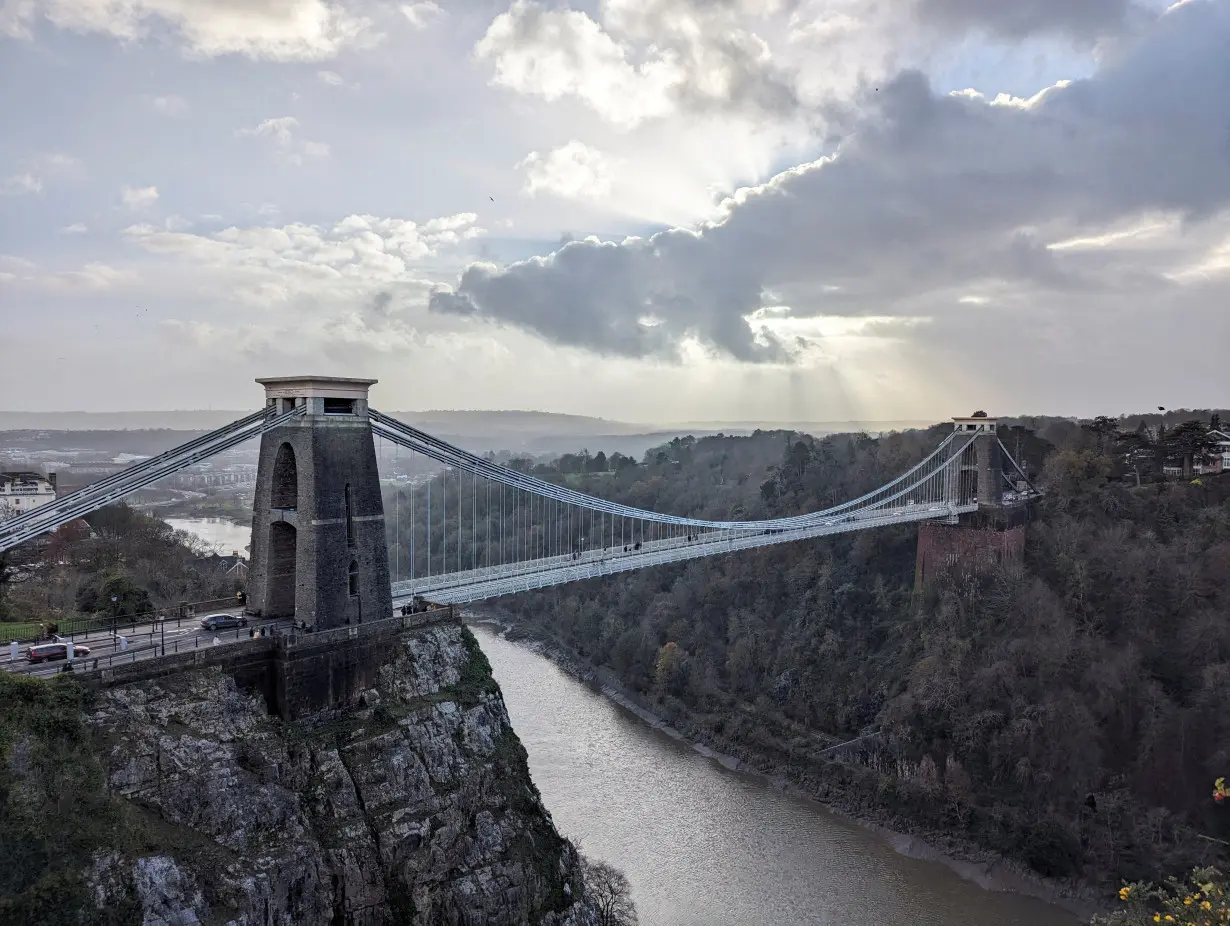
1189	442
610	893
1138	451
118	596
1202	900
6	579
1105	429
667	667
619	462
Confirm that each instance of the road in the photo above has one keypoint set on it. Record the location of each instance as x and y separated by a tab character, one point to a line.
145	642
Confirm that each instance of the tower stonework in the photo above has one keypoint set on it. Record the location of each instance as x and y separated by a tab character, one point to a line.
319	553
989	465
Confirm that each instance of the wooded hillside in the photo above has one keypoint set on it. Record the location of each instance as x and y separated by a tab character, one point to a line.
1072	714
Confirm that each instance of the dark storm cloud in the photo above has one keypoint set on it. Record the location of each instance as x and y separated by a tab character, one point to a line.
931	194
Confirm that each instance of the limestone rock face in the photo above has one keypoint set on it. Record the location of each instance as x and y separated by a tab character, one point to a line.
415	808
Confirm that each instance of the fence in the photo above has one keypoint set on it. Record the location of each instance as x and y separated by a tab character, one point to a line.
150	644
83	625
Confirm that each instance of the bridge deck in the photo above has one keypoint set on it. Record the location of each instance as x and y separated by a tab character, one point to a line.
494	581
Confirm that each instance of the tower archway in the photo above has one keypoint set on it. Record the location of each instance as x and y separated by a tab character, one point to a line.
285	488
283	555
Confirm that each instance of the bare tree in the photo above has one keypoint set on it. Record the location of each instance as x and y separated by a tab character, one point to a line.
608	890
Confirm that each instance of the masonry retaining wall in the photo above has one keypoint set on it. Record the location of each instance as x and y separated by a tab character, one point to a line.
296	673
945	550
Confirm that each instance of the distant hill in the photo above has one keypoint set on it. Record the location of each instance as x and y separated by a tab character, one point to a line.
807	427
463	423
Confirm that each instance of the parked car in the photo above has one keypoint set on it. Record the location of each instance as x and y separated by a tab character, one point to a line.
223	621
48	652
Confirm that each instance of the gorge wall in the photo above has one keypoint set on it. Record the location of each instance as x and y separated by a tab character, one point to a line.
191	804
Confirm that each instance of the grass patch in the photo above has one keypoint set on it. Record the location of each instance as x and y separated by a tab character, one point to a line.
21	631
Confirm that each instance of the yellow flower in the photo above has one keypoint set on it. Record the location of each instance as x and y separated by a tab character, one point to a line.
1124	892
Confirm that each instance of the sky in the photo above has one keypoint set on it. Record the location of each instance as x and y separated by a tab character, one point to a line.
647	210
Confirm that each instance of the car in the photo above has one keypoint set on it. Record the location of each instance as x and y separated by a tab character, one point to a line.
49	652
223	621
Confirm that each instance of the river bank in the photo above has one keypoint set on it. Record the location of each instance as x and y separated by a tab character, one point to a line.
970	862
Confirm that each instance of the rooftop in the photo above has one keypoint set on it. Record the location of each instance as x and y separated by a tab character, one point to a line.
332	387
6	478
281	380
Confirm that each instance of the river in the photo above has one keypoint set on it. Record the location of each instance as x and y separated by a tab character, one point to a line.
222	534
705	846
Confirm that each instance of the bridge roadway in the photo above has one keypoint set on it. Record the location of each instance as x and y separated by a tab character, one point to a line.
493	581
148	641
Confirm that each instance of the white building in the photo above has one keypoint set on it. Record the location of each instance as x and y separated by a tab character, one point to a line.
1223	446
1217	462
22	492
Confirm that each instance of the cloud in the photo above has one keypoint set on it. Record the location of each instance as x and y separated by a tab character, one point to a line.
422	14
93	277
572	171
21	183
280	132
332	78
139	197
31	179
1018	19
931	197
269	265
170	105
277	30
77	228
647	60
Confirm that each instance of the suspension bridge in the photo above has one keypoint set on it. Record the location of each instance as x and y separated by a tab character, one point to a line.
320	553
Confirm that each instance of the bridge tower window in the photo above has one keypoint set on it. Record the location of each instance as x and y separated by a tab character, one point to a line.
350	538
353	578
338	406
285	486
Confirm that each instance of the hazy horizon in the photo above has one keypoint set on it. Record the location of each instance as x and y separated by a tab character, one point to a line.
192	419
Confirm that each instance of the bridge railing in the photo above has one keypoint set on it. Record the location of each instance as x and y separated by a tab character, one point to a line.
460	588
84	624
141	645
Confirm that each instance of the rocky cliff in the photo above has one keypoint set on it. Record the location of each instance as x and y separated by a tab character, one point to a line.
415	808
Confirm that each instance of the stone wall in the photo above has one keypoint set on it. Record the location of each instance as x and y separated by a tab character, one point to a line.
298	673
945	549
329	670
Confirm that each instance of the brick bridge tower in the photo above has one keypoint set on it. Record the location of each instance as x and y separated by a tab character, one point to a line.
319	553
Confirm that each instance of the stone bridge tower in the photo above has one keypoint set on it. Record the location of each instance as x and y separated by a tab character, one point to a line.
986	473
319	553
